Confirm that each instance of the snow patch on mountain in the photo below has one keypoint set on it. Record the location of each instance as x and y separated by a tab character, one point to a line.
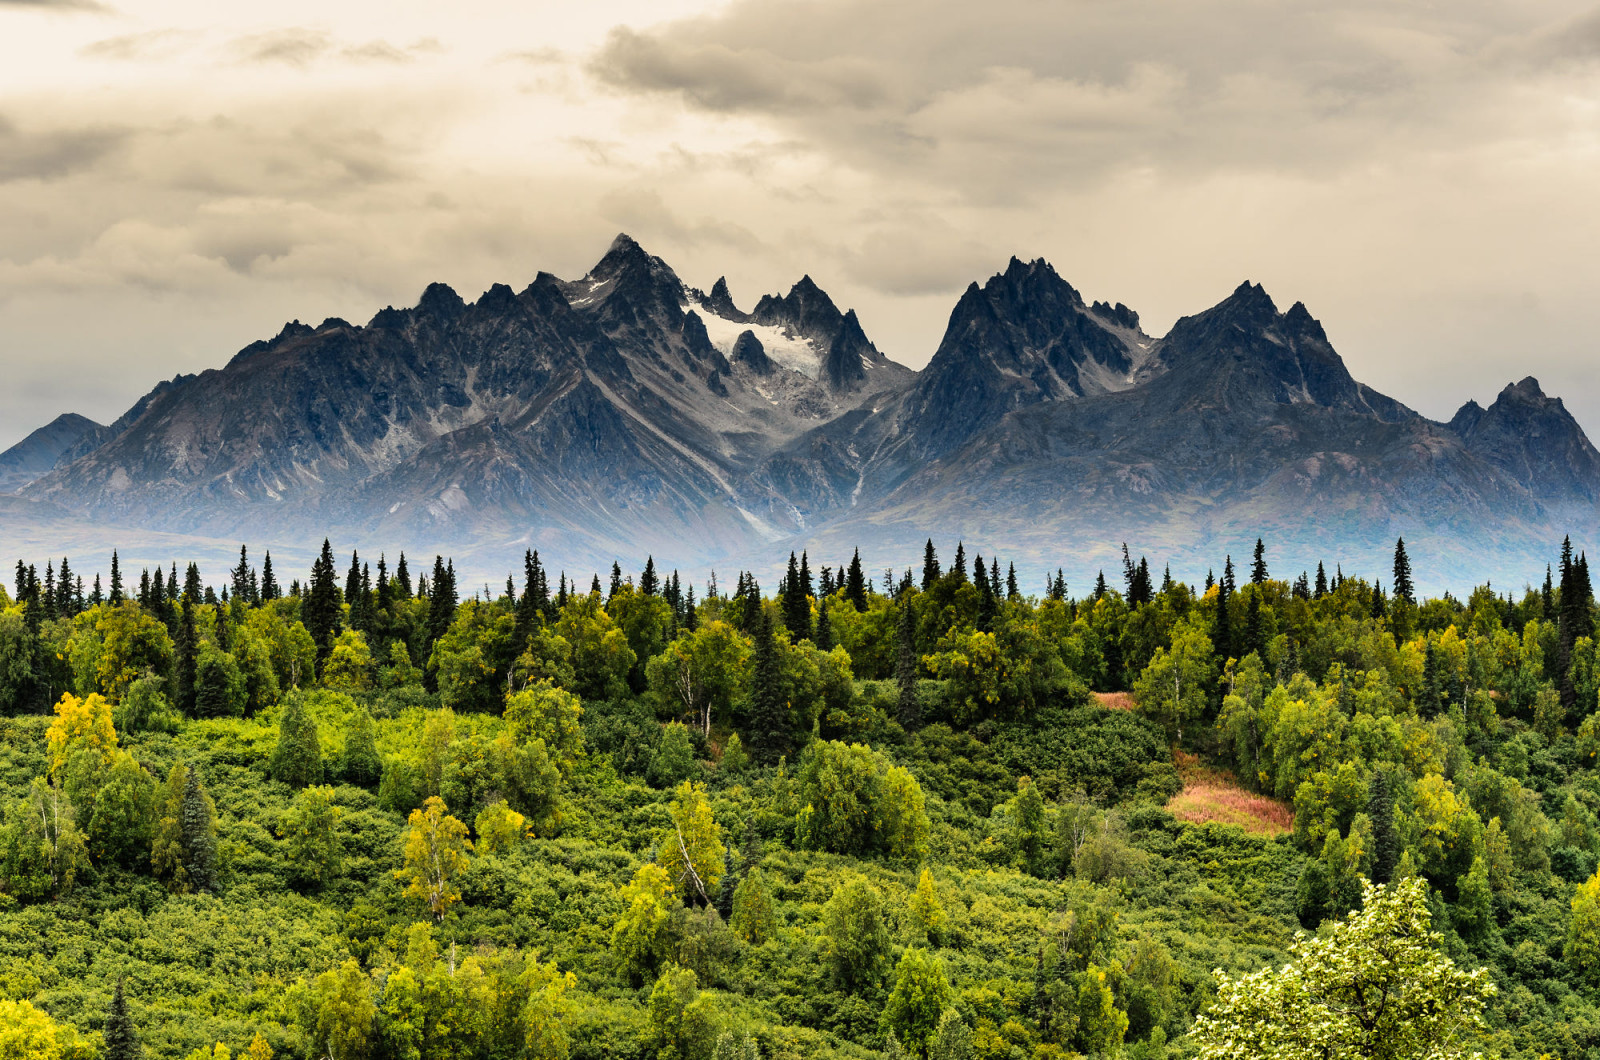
782	346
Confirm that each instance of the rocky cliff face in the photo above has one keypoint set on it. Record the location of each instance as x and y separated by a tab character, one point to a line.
625	412
39	452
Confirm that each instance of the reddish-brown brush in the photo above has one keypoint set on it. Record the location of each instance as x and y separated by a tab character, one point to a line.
1116	700
1212	795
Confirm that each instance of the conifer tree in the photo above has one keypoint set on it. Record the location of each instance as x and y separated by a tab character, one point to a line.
796	608
770	738
191	583
807	586
1100	587
95	597
1221	623
241	576
402	578
186	658
855	584
121	1037
616	580
1402	573
1258	566
930	566
116	581
691	619
320	611
1431	697
905	669
959	568
824	634
441	608
270	589
529	612
297	760
352	583
649	583
1254	631
1321	589
197	823
385	588
1385	840
1013	592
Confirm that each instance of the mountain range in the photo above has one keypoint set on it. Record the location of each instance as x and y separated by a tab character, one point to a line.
627	413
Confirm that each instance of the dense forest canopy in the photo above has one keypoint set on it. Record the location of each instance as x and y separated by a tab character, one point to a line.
366	816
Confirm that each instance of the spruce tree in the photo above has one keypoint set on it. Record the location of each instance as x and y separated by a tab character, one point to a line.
1385	840
1100	587
807	586
796	609
241	576
959	568
1402	573
197	826
186	657
824	634
691	619
352	584
1254	631
770	738
270	589
616	580
192	590
649	583
1221	620
95	597
116	581
441	608
1258	566
320	611
930	566
855	584
385	589
297	760
1013	592
529	614
1322	583
121	1037
905	668
402	578
1431	696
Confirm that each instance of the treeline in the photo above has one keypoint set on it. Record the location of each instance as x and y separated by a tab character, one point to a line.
853	815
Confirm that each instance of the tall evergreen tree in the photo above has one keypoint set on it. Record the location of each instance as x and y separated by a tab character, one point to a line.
352	581
796	609
96	598
1430	699
192	590
241	576
1321	589
116	581
385	587
1013	591
930	566
320	611
402	578
770	738
270	590
297	760
120	1036
1100	587
1221	620
186	656
824	634
649	583
1385	839
1402	573
855	583
1258	566
905	668
1254	630
959	568
807	586
197	826
529	614
442	602
616	580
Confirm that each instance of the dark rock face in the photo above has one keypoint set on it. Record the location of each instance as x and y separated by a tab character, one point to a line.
40	451
623	413
1534	439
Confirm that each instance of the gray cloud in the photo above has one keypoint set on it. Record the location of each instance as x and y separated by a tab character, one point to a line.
1016	96
57	5
292	47
52	154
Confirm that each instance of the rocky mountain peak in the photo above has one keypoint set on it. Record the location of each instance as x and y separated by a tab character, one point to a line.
441	302
720	302
1532	436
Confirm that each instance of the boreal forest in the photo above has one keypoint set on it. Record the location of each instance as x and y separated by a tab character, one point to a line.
366	813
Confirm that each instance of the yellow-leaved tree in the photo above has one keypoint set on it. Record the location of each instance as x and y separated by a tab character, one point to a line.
436	850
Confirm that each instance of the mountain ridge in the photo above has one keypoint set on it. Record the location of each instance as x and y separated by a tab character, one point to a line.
628	412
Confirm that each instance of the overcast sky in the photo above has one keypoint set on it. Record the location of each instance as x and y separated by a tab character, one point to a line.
178	178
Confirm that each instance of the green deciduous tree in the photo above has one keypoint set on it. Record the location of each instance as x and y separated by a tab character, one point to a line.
1373	986
546	712
754	918
343	1013
1582	951
691	849
1173	688
920	995
855	935
312	844
637	936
